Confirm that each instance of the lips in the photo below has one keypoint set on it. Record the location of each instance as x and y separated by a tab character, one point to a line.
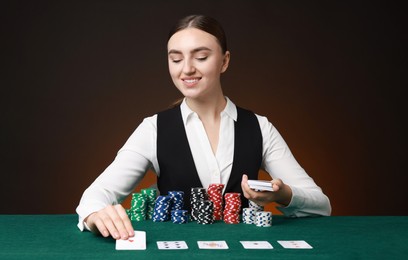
191	81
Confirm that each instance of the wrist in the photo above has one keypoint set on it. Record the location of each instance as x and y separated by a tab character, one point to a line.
286	196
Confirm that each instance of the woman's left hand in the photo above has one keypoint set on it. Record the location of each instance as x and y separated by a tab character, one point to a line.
281	193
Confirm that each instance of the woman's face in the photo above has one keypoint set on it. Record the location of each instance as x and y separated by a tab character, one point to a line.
196	62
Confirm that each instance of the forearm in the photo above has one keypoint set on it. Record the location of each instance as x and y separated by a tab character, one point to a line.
307	203
113	185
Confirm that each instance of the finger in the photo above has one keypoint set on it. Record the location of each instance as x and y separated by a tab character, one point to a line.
244	186
129	231
91	222
252	194
108	217
244	178
244	181
115	224
276	184
97	224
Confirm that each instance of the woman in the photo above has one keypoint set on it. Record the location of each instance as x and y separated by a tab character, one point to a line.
205	139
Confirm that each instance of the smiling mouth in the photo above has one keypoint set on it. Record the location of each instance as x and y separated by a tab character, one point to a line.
191	81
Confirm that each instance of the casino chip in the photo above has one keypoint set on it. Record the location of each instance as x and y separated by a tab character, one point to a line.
170	207
179	216
215	195
151	195
197	195
141	205
137	211
232	207
255	206
161	209
206	207
249	215
177	200
202	208
205	212
255	214
263	219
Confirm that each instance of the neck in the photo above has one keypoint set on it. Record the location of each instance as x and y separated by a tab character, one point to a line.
207	109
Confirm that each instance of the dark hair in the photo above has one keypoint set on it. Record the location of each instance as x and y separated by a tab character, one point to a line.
204	23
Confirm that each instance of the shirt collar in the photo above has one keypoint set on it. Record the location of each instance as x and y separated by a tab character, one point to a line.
230	110
186	112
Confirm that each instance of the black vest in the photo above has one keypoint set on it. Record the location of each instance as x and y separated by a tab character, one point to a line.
177	168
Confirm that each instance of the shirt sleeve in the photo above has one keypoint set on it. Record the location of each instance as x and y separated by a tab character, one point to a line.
126	171
308	199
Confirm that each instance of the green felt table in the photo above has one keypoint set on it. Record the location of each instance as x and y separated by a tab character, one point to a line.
57	237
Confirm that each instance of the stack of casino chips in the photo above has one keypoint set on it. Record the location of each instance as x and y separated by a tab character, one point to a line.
205	212
255	206
215	195
263	219
151	195
255	214
161	210
249	215
179	216
232	207
197	195
137	210
177	200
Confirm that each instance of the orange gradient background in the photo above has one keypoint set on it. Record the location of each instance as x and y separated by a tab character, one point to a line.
80	76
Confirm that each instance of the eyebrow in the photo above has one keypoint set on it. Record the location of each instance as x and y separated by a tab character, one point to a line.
173	51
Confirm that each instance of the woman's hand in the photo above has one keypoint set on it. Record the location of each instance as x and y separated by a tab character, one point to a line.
111	221
281	193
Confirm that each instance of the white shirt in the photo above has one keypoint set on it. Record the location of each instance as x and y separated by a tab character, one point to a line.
139	155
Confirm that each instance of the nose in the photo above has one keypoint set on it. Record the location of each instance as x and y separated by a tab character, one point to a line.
188	68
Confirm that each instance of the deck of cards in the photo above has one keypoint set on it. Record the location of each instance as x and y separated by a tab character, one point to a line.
260	185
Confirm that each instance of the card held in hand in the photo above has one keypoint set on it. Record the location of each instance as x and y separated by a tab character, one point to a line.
260	185
138	242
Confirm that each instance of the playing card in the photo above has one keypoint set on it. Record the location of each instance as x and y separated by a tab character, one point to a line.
212	244
172	245
295	244
138	242
256	245
260	185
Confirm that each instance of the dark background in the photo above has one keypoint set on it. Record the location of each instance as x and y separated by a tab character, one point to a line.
79	76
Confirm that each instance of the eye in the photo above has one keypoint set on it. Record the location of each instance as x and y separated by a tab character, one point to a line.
176	60
202	58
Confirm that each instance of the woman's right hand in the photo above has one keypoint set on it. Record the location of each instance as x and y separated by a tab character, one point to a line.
111	221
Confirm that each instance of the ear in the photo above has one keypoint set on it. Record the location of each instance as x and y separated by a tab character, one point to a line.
225	61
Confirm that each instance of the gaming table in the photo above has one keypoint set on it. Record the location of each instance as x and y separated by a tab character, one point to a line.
336	237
